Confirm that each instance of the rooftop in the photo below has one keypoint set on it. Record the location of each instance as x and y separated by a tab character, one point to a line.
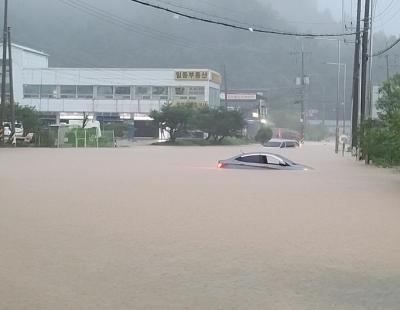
27	49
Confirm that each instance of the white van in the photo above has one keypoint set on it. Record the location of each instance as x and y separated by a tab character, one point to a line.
19	129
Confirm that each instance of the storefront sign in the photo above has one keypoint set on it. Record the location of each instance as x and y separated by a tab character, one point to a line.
191	75
239	97
216	78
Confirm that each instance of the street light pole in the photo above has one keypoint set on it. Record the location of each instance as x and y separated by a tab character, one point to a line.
338	88
344	93
303	116
344	98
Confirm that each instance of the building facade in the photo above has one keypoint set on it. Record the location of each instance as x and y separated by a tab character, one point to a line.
112	92
252	104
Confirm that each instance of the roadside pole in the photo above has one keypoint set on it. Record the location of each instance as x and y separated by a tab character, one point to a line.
10	69
4	71
356	80
338	101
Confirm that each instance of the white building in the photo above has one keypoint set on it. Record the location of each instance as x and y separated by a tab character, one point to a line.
106	91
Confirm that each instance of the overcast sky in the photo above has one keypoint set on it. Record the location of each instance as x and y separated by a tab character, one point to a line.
387	13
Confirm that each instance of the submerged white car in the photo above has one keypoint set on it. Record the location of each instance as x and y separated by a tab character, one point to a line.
282	143
261	160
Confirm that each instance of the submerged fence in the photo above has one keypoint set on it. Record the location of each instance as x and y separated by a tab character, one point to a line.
66	137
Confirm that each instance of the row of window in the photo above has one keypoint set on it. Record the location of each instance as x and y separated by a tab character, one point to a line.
114	92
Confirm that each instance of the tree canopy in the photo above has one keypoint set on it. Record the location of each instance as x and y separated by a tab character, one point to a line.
380	138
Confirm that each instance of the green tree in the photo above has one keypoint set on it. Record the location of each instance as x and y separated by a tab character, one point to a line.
218	123
380	139
264	134
173	118
119	128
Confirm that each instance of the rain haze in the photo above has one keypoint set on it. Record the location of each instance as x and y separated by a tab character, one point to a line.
186	154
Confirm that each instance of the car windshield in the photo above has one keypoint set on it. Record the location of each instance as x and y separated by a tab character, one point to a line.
273	144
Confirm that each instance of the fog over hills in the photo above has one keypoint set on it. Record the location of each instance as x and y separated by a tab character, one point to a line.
120	33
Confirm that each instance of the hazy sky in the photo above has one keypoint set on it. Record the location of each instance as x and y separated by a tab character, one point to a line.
387	13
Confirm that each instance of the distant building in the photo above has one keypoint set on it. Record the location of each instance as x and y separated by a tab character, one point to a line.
107	93
252	104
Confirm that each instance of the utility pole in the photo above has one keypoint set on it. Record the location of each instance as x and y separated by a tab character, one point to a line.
338	101
4	71
364	57
356	79
226	88
344	98
302	91
10	69
387	67
302	119
371	41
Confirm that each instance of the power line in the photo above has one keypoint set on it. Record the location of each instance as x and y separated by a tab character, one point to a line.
237	27
116	20
285	20
206	13
386	49
113	19
384	23
384	10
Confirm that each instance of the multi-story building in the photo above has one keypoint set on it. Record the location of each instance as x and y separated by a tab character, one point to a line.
106	92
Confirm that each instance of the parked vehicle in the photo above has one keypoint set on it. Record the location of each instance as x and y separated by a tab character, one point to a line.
282	143
19	129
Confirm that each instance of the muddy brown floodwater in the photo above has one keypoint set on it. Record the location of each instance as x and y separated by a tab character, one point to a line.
162	228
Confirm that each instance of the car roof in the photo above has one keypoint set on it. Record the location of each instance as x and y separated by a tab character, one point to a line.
281	140
266	154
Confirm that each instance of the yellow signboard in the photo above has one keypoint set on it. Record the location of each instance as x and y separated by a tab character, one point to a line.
191	75
216	78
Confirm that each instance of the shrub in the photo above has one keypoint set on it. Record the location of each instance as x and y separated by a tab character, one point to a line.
264	134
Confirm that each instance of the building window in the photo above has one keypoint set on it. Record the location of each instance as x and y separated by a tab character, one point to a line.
122	92
85	92
143	92
196	91
48	91
105	92
68	91
180	91
31	91
160	93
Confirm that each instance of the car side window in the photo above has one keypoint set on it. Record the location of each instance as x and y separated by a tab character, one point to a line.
273	160
255	159
290	144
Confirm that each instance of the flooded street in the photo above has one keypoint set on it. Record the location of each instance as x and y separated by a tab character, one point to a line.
162	228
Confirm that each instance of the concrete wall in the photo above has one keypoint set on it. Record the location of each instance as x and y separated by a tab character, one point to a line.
91	105
103	77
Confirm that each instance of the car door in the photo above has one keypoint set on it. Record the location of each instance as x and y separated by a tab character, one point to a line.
275	163
252	161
